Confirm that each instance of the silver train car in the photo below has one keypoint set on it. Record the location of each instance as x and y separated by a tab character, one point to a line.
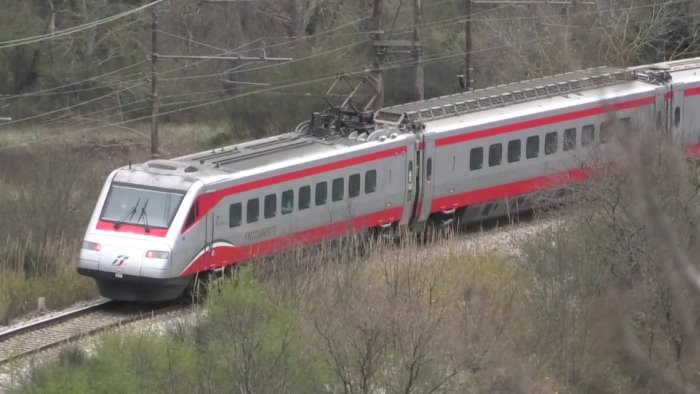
159	225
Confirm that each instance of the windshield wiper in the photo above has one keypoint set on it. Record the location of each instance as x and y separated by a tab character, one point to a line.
144	216
128	215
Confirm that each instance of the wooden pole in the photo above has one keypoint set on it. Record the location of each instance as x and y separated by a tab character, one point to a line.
468	45
154	84
379	53
418	50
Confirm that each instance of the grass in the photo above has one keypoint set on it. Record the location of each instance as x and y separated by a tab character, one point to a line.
28	271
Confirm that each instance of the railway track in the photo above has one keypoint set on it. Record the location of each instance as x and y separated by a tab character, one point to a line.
70	326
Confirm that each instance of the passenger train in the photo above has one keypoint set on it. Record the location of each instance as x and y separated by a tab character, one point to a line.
159	225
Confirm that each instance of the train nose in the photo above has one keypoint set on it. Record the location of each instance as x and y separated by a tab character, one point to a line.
122	259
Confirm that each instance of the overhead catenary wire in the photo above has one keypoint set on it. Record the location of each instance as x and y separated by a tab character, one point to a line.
440	24
75	29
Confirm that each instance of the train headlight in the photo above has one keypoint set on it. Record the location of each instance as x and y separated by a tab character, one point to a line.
157	254
92	246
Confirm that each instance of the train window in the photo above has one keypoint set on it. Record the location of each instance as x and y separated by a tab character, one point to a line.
304	197
287	201
354	185
514	151
495	155
476	158
532	146
625	124
569	139
235	213
429	169
321	193
587	135
270	206
253	210
551	143
677	116
605	132
370	181
338	189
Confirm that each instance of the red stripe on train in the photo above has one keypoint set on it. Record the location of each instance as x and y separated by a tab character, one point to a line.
508	190
226	255
548	120
691	92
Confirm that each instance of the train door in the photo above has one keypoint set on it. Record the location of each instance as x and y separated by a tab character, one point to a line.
663	103
412	185
676	114
427	175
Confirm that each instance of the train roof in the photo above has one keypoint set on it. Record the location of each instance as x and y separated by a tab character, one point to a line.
499	96
251	157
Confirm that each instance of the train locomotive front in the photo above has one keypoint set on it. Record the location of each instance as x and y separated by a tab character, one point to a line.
131	244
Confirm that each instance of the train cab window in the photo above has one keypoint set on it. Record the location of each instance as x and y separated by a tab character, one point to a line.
191	216
514	150
476	158
370	181
338	189
354	185
587	135
287	201
677	117
270	206
304	197
569	139
252	210
429	169
235	213
321	193
532	146
495	154
605	132
551	143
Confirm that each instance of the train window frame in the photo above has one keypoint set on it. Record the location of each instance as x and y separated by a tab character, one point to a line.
192	216
287	202
429	169
495	154
304	197
570	140
515	148
321	193
677	116
252	210
532	147
587	135
354	182
235	215
370	181
606	131
476	165
551	143
270	206
338	189
626	124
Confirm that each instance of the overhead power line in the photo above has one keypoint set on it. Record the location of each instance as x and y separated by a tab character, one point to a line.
75	29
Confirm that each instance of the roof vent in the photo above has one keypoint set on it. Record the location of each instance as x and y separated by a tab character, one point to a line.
189	169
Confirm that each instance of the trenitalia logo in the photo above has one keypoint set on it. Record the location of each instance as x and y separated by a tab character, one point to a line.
120	260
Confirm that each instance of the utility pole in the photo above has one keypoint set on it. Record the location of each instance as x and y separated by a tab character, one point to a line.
154	84
418	49
379	52
467	84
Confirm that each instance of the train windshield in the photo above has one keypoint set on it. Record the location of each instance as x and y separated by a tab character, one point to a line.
129	204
